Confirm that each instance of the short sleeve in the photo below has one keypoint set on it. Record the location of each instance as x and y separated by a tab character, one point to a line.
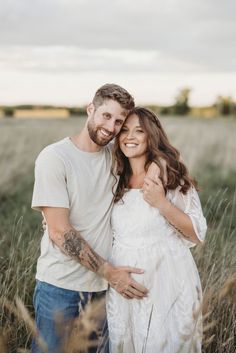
50	188
191	205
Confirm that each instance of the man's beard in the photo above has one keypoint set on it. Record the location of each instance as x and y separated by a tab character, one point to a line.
93	134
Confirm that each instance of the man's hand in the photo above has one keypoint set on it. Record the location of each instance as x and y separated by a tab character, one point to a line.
119	278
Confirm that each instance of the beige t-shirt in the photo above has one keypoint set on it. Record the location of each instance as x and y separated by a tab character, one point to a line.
81	181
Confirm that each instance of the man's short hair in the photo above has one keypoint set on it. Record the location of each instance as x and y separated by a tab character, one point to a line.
116	93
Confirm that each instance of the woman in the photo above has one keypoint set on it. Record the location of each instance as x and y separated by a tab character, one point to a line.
156	218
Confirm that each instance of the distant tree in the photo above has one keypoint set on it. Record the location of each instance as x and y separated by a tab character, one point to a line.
24	106
168	110
76	111
181	106
161	110
8	112
154	108
225	105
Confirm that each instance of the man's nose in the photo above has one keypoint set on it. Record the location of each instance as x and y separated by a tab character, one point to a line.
110	126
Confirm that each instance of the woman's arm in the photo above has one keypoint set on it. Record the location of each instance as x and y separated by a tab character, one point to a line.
188	221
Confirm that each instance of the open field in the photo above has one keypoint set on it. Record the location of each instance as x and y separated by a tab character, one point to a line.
201	142
208	148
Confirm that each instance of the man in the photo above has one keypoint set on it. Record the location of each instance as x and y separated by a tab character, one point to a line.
73	188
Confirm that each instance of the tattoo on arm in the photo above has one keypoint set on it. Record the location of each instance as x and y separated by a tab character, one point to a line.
72	245
75	246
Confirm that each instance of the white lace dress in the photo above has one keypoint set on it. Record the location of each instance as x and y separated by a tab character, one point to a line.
169	320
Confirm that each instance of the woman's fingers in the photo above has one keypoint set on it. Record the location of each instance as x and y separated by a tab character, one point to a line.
150	182
153	171
44	224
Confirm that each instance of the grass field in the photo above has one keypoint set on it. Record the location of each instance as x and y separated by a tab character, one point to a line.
208	148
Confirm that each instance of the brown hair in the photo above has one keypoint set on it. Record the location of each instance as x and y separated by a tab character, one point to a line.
114	92
159	149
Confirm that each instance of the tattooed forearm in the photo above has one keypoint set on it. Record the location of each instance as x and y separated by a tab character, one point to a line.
94	261
75	246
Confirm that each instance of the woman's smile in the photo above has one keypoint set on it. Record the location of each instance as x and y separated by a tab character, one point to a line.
132	138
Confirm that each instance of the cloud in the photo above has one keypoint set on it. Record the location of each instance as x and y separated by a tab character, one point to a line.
59	60
62	50
175	35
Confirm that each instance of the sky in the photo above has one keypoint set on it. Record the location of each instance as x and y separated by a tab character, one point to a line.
60	51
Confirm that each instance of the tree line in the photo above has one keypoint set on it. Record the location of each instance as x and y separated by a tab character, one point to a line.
223	106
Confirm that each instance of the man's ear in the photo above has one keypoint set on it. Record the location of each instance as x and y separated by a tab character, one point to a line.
90	109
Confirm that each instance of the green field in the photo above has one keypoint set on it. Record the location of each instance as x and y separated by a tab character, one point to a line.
208	147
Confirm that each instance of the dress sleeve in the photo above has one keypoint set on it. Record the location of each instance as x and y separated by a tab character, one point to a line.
190	204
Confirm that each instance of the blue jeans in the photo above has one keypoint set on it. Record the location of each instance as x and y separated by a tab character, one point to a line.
55	309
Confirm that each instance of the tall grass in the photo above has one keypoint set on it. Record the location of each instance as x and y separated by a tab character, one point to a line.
20	231
217	266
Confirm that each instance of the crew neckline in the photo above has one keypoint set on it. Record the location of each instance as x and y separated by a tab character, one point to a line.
97	153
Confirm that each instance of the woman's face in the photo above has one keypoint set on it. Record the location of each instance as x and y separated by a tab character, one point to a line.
132	138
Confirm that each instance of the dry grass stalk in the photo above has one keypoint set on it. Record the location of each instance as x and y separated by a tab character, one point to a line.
85	326
229	290
210	326
24	315
3	342
21	313
82	328
209	340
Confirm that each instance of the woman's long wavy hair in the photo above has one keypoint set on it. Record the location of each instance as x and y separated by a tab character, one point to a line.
159	149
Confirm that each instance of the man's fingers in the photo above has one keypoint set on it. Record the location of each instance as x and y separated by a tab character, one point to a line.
135	293
139	287
124	284
131	293
132	269
127	295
